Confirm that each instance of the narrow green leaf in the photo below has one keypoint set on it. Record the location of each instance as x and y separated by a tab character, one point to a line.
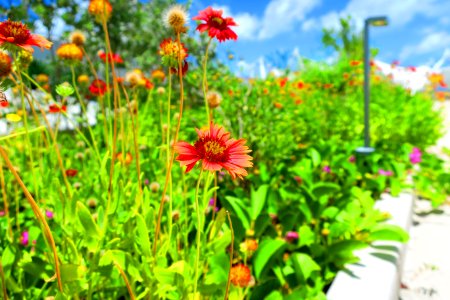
142	236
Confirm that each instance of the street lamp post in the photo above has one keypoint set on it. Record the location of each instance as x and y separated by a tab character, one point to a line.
374	21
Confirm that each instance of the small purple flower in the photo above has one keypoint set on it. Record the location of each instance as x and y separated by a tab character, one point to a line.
49	214
211	204
415	156
385	172
146	181
326	169
291	236
25	238
2	213
352	159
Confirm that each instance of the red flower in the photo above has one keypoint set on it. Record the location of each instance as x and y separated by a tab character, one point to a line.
282	81
216	151
327	85
54	108
148	84
442	83
16	34
216	25
98	87
240	275
412	69
115	57
71	172
300	85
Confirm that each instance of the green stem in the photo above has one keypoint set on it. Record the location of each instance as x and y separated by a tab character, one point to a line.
199	232
27	137
83	107
205	81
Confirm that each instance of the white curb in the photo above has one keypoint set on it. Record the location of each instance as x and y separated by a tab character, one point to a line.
377	275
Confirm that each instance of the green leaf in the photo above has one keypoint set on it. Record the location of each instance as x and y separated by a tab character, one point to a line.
240	210
87	221
345	248
388	232
315	156
71	272
267	250
304	265
142	236
325	188
275	295
258	200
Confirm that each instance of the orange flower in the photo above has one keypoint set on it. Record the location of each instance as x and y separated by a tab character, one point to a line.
158	74
240	275
216	151
345	76
355	63
100	9
124	160
298	101
327	85
5	64
440	96
216	25
69	52
16	34
278	105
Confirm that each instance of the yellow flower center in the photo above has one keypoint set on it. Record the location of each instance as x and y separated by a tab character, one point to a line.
217	20
214	148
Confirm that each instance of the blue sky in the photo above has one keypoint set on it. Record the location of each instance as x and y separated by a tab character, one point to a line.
418	33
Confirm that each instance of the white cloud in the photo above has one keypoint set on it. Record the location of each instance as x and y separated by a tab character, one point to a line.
279	16
430	43
399	12
284	15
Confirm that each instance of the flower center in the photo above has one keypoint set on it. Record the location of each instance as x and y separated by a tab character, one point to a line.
214	148
218	20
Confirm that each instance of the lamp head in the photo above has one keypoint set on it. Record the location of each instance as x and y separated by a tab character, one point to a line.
377	21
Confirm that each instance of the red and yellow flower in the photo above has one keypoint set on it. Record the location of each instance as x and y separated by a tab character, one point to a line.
14	35
216	25
216	150
170	50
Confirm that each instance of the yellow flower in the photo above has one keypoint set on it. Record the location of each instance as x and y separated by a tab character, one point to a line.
100	9
78	38
83	79
42	78
69	52
14	118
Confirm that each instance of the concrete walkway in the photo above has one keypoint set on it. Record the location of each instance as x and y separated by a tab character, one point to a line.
426	269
